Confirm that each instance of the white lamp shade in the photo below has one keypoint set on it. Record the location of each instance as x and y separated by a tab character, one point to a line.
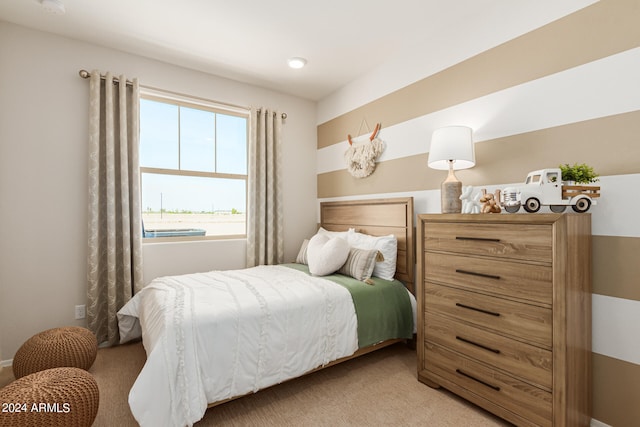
452	143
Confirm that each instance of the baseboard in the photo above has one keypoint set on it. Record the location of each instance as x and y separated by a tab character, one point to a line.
6	363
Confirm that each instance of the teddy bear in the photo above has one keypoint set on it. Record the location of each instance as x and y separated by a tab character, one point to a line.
490	202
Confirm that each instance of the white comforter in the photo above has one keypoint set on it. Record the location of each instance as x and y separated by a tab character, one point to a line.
217	335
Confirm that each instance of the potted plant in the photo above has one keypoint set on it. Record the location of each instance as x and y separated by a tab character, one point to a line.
580	174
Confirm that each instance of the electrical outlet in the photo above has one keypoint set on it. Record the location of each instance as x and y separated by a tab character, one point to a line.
80	312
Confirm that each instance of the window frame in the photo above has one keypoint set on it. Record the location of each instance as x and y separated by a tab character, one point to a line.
205	105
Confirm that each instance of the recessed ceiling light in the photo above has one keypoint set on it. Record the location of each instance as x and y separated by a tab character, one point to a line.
55	7
297	62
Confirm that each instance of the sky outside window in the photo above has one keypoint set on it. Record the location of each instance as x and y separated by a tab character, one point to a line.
197	140
158	135
232	144
183	151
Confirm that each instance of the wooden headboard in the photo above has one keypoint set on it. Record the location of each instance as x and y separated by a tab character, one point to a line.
377	217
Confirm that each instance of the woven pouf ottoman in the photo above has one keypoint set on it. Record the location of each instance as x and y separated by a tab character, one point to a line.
62	397
70	346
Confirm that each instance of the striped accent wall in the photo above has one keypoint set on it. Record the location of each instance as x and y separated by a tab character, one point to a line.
568	92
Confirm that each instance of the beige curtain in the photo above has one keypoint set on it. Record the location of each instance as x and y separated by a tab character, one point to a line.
265	242
115	231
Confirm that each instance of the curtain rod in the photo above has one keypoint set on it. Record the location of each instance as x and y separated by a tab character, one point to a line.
85	75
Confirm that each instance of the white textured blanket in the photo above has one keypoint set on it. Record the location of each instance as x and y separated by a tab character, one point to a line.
213	336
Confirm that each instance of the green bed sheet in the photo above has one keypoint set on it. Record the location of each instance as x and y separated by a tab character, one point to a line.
383	309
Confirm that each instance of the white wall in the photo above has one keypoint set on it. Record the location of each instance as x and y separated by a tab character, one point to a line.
427	57
43	175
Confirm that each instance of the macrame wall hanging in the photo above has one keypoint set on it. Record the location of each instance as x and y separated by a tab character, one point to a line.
361	156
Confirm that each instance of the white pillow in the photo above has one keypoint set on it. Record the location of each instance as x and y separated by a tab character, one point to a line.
341	234
326	254
387	245
302	254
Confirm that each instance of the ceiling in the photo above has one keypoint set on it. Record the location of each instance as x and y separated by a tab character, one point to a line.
250	40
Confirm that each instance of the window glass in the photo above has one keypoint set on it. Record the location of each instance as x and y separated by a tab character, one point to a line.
214	206
231	135
158	134
197	140
193	168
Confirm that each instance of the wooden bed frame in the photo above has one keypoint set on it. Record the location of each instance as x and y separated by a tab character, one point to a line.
377	217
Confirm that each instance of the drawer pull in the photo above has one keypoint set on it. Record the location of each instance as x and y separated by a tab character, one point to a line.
484	347
495	387
481	239
473	273
468	307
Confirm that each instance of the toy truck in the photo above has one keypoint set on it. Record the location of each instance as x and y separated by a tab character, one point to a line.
545	187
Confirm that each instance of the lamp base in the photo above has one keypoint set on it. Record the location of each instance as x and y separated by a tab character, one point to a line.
450	192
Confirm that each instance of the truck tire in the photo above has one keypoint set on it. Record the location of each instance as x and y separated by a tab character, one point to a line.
532	205
582	205
512	209
557	208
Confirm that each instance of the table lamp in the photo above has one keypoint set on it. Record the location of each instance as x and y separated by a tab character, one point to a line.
452	149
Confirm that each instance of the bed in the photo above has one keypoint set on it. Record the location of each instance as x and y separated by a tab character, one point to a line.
212	337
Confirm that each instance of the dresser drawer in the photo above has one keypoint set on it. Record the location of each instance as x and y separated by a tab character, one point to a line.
521	281
525	322
533	364
512	241
512	394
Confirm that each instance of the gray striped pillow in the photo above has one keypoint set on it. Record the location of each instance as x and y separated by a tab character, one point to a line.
360	263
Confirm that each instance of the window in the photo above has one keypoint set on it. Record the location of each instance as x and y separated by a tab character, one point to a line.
193	169
532	179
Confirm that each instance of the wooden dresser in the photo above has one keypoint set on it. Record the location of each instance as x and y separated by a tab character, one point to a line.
504	303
